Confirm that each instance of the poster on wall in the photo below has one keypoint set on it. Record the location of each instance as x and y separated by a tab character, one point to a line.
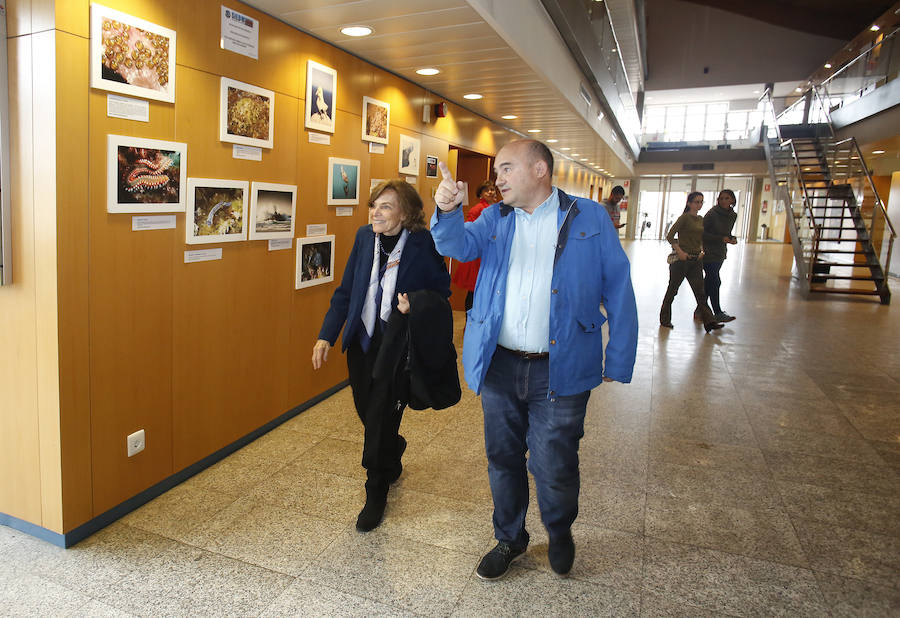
272	210
246	114
215	210
131	56
431	167
376	120
315	261
145	175
321	94
409	155
343	182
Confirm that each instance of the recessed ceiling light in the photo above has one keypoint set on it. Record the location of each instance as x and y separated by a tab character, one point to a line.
357	30
756	92
877	152
565	148
509	117
534	130
875	28
575	154
428	71
798	89
473	96
583	159
613	50
827	65
552	141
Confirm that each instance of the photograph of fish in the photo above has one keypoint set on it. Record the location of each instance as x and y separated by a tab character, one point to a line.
343	182
315	261
409	155
376	120
145	175
272	210
215	211
321	93
131	56
246	114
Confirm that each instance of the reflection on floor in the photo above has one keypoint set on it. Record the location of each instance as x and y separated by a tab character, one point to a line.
751	471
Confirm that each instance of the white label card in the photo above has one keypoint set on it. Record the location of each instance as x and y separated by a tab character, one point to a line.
276	244
344	211
250	153
376	148
319	138
202	255
411	180
155	222
240	33
127	108
317	229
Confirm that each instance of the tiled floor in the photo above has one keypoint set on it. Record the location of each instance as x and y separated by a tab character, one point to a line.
750	472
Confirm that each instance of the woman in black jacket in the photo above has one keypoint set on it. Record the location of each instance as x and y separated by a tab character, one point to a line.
391	257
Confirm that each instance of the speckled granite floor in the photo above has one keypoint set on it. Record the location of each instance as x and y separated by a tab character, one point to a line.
749	472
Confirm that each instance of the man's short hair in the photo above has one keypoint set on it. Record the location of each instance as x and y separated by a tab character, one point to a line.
540	152
618	189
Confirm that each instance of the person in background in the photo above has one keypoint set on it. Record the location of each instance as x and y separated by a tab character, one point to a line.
392	257
466	274
688	250
533	346
612	205
717	225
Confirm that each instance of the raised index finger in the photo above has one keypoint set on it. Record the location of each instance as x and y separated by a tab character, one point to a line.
445	171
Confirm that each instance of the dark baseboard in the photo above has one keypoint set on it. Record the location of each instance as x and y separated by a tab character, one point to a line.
117	512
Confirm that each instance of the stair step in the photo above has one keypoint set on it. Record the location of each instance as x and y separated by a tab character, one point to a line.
847	277
824	290
843	251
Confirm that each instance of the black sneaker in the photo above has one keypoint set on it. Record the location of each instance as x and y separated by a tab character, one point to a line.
561	553
496	562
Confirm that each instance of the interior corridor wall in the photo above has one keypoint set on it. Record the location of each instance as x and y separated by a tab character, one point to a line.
126	336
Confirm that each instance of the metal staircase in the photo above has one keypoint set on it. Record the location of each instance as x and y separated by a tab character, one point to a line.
840	232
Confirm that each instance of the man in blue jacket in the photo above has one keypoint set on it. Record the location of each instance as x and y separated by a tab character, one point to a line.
533	345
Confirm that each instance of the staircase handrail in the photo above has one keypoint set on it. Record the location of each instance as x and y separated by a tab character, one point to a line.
878	201
860	55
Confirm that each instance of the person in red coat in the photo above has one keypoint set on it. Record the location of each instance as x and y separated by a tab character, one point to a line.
466	273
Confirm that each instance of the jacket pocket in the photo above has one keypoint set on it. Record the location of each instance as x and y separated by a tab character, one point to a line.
591	322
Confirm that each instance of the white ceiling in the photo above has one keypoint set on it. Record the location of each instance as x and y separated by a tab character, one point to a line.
472	56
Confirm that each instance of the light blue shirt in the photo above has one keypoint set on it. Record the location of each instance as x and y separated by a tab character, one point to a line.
526	314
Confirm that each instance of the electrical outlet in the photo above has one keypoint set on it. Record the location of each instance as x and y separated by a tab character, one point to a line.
135	442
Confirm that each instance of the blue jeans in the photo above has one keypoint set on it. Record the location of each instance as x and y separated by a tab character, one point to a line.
519	417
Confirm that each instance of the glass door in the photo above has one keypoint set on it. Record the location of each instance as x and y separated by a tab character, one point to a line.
650	202
676	199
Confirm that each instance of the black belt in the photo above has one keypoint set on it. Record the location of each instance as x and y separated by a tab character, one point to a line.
526	355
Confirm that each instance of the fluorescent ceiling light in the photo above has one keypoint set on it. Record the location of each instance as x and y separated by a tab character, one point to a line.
509	117
565	148
534	130
875	28
357	30
428	71
473	96
552	141
877	152
827	65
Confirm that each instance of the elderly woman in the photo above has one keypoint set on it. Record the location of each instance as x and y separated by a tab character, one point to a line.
391	257
688	252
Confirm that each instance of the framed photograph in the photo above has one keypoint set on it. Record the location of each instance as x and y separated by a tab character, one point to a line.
409	155
376	118
321	93
431	167
315	261
145	175
215	211
131	56
343	182
246	114
272	210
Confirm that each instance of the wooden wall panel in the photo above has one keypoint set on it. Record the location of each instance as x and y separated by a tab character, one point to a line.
20	491
73	231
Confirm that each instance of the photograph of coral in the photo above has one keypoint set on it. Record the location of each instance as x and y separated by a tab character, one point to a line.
131	56
315	261
376	120
272	210
215	210
343	182
145	175
409	155
246	114
321	93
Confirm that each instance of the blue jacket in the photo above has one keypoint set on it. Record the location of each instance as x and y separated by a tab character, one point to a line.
589	267
421	268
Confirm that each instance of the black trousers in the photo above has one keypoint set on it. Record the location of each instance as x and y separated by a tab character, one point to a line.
380	413
679	271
